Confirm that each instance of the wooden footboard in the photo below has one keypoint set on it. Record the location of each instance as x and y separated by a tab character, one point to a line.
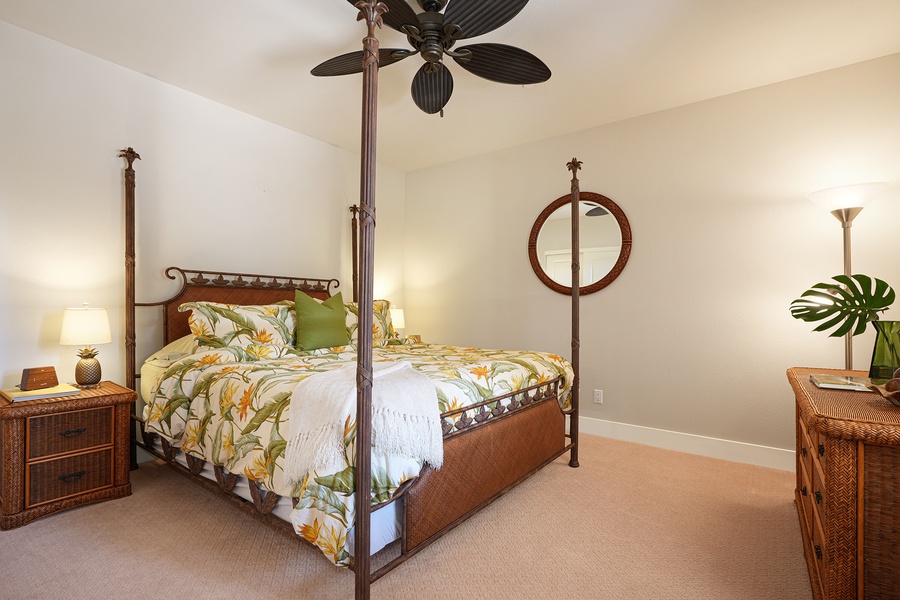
479	467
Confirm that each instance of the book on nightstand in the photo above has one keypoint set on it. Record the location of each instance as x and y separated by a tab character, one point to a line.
17	395
840	382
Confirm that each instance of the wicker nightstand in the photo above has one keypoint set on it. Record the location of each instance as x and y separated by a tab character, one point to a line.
60	453
848	489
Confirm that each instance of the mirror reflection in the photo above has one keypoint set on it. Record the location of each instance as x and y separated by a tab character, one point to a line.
604	243
600	243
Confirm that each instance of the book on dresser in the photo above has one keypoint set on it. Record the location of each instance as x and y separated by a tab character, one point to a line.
57	391
840	382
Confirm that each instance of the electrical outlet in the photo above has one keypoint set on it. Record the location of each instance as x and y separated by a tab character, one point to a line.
598	396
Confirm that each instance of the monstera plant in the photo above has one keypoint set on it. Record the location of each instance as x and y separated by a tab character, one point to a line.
847	305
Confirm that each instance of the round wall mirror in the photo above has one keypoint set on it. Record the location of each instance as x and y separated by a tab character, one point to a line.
604	240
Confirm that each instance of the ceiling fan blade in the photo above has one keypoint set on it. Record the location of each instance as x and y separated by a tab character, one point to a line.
347	64
399	14
431	91
477	17
504	64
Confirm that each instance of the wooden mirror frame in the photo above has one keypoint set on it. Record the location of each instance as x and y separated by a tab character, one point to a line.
624	251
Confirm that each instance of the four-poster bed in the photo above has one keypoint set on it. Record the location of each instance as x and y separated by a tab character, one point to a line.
507	437
490	444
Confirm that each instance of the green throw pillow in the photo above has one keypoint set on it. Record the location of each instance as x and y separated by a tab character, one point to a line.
320	325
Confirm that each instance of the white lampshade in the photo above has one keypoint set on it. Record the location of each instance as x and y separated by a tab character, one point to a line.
84	326
398	319
847	196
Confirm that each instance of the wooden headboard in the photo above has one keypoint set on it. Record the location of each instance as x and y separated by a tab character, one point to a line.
231	288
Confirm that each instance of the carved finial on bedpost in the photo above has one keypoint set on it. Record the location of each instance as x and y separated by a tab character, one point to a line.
574	165
129	154
370	11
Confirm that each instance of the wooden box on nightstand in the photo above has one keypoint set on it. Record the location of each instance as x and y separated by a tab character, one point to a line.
58	453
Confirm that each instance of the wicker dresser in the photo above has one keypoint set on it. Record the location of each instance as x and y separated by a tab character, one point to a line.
63	452
848	489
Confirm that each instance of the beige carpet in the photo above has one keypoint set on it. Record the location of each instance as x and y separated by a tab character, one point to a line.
633	522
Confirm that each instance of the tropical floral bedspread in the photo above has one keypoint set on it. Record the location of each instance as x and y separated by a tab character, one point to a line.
232	409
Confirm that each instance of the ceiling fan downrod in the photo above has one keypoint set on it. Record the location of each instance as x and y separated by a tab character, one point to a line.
432	5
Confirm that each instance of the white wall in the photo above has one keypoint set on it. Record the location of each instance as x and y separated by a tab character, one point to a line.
696	334
216	189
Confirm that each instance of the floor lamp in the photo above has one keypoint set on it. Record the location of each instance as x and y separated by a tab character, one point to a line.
845	202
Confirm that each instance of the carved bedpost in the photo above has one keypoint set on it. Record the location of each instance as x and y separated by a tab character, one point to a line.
574	166
130	155
354	243
370	11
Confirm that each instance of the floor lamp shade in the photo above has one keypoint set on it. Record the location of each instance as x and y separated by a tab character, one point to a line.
847	196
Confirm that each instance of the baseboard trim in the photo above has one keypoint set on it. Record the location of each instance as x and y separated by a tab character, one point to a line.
753	454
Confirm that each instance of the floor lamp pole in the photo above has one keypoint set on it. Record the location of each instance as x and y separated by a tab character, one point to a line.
846	216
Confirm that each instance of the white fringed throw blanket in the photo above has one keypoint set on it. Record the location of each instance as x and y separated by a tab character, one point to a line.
405	418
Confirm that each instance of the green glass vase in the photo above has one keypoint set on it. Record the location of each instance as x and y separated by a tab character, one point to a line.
886	355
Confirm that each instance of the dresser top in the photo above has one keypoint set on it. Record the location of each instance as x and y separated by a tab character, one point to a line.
844	414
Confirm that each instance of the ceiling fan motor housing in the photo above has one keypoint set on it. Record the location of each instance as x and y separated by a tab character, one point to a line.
430	40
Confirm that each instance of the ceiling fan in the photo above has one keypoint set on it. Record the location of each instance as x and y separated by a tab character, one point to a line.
433	35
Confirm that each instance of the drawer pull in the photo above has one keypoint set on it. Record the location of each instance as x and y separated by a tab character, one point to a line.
803	452
819	552
803	490
818	497
821	449
72	433
72	476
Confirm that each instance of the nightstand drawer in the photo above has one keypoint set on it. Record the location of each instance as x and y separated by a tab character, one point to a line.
69	431
53	479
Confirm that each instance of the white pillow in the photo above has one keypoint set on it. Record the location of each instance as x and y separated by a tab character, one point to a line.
171	352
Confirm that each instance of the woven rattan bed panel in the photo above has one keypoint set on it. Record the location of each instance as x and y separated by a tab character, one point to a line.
480	466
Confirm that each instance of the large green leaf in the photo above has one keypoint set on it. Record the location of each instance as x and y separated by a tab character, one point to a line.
246	444
325	500
848	305
267	410
382	486
343	482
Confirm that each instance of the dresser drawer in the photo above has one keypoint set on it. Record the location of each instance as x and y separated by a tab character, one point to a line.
807	449
69	431
53	479
818	552
818	491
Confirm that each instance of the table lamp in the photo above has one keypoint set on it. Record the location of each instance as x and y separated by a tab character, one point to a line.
82	327
398	320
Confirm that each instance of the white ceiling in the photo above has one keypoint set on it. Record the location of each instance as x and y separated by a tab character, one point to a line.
611	60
